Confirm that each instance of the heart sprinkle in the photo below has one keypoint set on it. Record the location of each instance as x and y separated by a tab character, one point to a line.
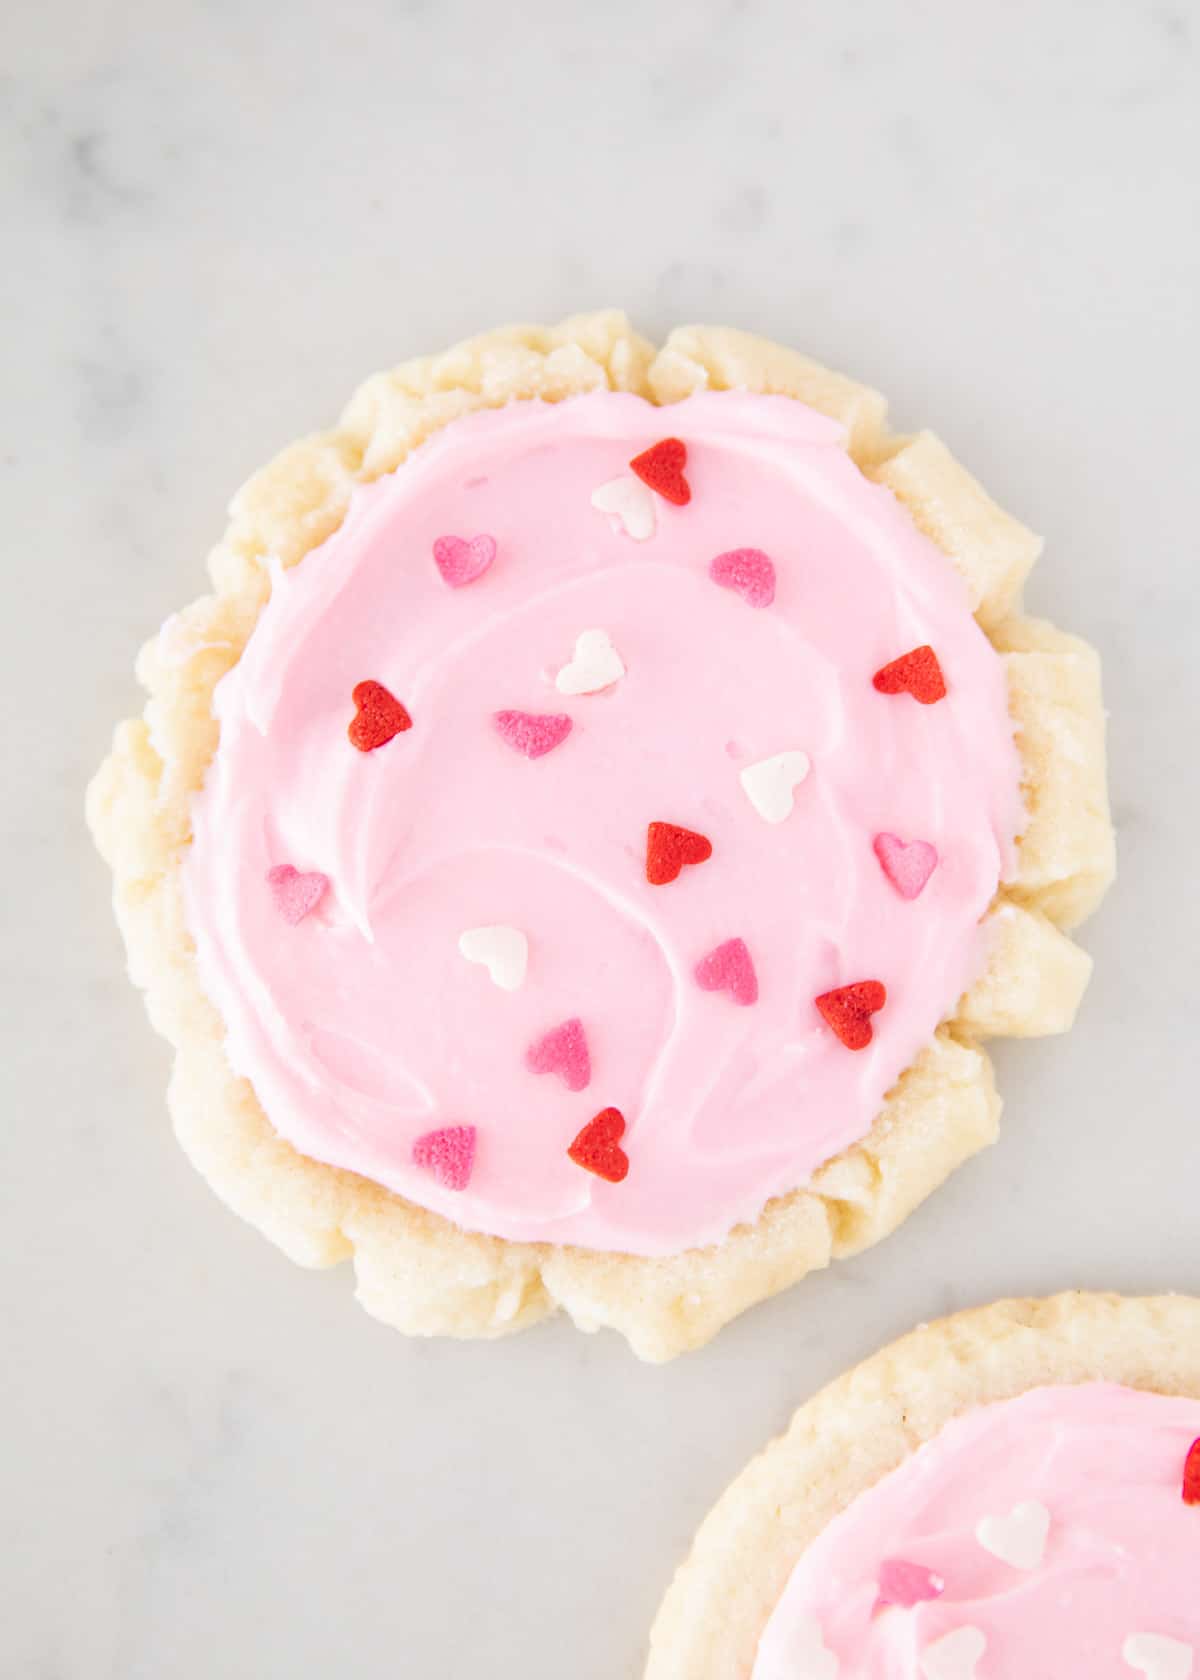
378	717
770	785
447	1154
563	1050
598	1147
917	673
631	503
848	1010
1191	1475
533	734
748	572
907	867
503	951
1158	1657
596	665
905	1584
295	894
669	848
1019	1539
661	467
954	1656
729	968
462	560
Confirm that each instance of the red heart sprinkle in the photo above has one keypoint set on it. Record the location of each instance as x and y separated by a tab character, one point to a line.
1191	1475
848	1010
668	848
598	1147
379	716
917	673
729	968
661	467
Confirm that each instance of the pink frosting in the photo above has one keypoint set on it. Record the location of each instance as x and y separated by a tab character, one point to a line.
364	1027
1109	1577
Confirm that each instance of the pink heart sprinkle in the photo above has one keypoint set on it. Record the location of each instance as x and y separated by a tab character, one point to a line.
563	1050
449	1154
296	894
907	1584
461	561
729	968
749	572
909	867
533	733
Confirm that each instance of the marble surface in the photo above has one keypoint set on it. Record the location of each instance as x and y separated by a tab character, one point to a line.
219	216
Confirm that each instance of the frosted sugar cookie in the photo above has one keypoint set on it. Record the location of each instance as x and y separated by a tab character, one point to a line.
1013	1492
578	850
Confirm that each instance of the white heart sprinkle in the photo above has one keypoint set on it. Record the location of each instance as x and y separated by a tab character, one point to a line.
1019	1538
954	1656
504	952
771	783
808	1657
1158	1657
632	502
596	665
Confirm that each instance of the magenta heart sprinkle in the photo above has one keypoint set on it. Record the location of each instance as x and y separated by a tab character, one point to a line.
748	572
906	1584
907	867
563	1050
295	894
448	1155
729	968
461	560
533	734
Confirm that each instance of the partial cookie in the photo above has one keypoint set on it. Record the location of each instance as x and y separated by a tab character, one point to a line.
628	802
1012	1492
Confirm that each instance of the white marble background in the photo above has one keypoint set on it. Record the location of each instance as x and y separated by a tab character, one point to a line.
216	217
